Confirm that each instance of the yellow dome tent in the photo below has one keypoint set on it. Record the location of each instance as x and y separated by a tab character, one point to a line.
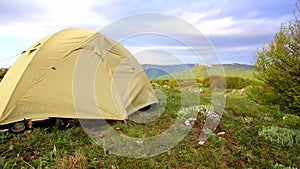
75	73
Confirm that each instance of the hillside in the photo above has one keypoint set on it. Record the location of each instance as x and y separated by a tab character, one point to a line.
154	71
202	71
248	136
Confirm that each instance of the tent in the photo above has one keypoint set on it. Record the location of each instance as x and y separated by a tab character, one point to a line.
74	73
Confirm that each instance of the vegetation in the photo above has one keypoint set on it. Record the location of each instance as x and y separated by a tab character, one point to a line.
231	82
171	83
245	144
283	136
2	72
278	67
203	71
155	71
252	135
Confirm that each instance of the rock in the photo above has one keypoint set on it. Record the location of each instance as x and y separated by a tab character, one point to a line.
202	111
190	121
156	85
201	142
118	129
213	115
221	133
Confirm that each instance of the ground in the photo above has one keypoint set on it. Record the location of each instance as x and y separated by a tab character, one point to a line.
248	142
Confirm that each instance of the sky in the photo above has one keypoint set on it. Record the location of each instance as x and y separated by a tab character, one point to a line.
155	32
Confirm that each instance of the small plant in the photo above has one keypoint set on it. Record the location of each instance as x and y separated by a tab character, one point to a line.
187	112
291	120
248	120
280	166
282	136
231	82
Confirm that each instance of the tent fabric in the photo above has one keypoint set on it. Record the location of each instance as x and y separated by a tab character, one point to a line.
74	73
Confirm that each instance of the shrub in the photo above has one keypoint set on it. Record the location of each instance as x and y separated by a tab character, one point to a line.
278	67
282	136
2	72
291	120
231	82
162	82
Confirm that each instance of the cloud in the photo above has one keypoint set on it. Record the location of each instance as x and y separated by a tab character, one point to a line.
229	17
173	54
42	18
12	13
235	28
163	57
156	56
25	22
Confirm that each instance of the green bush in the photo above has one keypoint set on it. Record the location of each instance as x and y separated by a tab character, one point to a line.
214	81
291	120
2	72
278	67
282	136
175	83
163	82
231	82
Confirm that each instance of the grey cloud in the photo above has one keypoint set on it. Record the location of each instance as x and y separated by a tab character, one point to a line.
249	8
14	10
241	39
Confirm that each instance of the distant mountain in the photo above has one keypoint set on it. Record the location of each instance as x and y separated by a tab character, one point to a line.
154	71
200	71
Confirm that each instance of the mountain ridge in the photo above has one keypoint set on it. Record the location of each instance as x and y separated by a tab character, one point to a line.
199	71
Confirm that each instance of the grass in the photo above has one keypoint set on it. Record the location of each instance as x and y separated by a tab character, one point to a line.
241	146
201	72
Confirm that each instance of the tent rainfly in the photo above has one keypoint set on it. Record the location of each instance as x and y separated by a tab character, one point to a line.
74	73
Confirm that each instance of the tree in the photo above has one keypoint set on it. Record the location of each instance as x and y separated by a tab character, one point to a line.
278	67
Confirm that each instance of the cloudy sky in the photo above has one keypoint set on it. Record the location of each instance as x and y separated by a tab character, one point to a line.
235	29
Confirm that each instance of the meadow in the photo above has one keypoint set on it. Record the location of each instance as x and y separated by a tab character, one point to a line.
204	71
253	136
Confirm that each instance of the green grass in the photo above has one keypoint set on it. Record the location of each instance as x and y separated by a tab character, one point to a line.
241	146
201	72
